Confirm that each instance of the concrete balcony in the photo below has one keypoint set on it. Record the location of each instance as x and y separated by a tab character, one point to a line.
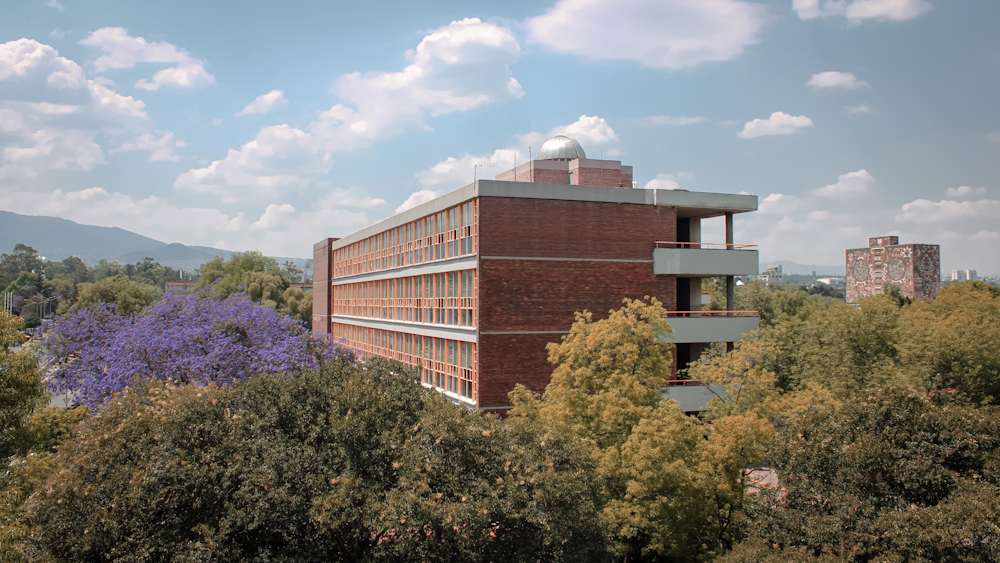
711	326
692	395
692	259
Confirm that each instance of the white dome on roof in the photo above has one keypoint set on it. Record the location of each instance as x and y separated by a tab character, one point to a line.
561	147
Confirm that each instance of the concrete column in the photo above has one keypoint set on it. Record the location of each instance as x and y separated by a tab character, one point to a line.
695	291
694	232
730	280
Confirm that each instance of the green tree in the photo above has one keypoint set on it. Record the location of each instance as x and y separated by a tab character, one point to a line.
72	268
22	259
354	463
127	295
21	388
230	275
297	304
291	272
886	476
950	343
755	296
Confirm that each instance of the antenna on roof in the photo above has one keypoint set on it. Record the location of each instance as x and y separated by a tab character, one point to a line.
475	170
530	177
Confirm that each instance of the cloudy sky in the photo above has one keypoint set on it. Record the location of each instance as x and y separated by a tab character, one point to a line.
266	125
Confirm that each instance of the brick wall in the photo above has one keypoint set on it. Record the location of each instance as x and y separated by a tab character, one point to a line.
543	295
542	176
572	229
322	274
610	177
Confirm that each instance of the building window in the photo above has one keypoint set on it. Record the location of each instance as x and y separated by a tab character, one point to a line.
448	234
445	364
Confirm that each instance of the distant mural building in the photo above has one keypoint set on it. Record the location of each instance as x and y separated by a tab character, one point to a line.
915	268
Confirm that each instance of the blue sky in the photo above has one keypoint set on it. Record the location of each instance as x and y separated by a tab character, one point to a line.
253	125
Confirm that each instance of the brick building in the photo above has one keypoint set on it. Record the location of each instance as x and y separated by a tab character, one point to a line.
915	268
471	286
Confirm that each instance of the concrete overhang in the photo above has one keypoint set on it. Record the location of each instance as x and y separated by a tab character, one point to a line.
692	398
703	262
714	328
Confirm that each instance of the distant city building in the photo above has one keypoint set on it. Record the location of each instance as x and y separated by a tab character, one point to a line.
771	275
963	275
179	286
836	283
915	268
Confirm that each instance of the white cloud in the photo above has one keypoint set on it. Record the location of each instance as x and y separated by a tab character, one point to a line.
459	67
966	191
52	114
264	103
894	10
55	4
418	198
672	120
993	137
779	204
592	132
778	124
849	184
587	131
160	147
658	33
663	182
834	79
183	76
462	170
859	109
214	123
669	181
924	211
353	197
856	11
58	33
280	230
809	9
280	157
986	236
124	51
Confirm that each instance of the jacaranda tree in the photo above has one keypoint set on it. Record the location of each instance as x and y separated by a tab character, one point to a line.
182	338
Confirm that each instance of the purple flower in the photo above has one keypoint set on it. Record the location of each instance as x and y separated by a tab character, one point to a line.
182	338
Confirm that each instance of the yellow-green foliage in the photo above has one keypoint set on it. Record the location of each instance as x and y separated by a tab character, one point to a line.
954	341
21	388
672	485
127	295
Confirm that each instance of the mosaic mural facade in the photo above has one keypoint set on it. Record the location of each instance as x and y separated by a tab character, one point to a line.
915	268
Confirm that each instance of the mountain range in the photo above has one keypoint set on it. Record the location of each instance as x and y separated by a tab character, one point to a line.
57	239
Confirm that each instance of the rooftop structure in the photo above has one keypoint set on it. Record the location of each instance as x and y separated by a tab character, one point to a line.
915	268
471	286
771	275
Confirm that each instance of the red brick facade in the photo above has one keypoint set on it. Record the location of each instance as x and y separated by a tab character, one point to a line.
543	295
470	288
915	268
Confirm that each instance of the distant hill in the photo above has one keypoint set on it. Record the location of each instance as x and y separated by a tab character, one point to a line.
789	267
56	239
